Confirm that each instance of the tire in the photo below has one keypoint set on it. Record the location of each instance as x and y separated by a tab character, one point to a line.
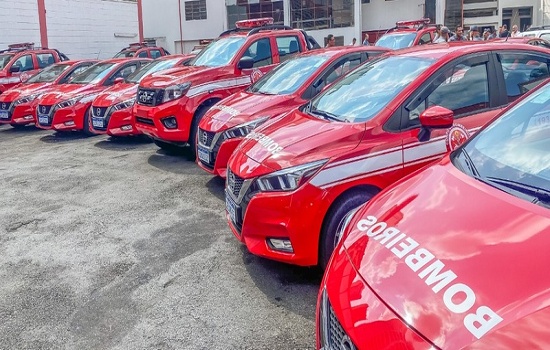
336	213
86	124
168	147
194	128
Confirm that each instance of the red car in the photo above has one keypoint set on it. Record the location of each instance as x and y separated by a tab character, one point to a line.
66	107
17	106
142	50
20	61
407	34
452	256
169	107
291	181
111	110
279	91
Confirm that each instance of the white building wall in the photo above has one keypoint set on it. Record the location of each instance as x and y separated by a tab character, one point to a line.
91	28
382	14
22	23
538	9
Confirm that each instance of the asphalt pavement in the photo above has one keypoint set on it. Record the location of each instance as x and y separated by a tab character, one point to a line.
113	244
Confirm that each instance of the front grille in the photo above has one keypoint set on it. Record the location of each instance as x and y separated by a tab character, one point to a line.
337	337
149	97
234	183
99	112
5	106
44	111
145	121
206	137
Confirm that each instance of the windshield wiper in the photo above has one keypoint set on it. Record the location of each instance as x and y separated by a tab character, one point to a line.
326	115
265	93
470	164
540	194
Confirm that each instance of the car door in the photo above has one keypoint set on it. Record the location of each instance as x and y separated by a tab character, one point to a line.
468	87
261	51
25	65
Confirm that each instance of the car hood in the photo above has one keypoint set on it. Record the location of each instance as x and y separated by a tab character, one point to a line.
23	90
244	107
298	138
115	94
67	91
496	246
192	74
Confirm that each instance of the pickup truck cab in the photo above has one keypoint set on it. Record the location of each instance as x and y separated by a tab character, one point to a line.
169	107
142	50
407	34
17	106
21	61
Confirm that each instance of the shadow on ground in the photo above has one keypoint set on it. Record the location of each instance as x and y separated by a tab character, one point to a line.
292	287
123	143
216	186
63	137
174	163
21	129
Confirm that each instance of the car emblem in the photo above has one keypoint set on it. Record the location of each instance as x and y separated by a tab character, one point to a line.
204	137
3	106
231	181
98	111
43	109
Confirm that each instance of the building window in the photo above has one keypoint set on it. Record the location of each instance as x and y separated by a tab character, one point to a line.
195	10
520	16
321	14
249	9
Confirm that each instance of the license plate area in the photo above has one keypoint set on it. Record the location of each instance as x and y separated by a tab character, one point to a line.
43	119
4	115
231	207
203	154
98	122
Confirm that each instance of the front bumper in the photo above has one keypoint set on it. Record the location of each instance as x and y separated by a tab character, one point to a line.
22	114
148	120
213	151
118	123
350	315
290	216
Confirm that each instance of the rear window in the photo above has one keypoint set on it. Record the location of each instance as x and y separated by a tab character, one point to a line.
49	74
4	60
94	74
396	41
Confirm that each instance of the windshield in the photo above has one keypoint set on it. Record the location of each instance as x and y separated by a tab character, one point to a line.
220	52
94	74
284	80
396	41
364	92
4	59
125	53
48	74
151	68
513	153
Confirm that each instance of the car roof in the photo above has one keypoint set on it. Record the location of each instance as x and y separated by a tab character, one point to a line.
73	62
123	59
342	50
438	51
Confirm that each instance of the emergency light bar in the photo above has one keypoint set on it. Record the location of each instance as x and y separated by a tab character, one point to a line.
412	23
21	46
253	23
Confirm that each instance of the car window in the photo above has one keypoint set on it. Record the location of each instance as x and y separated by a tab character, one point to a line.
287	45
45	59
342	67
425	39
396	41
24	63
142	54
462	88
155	54
94	74
125	71
545	36
219	52
49	74
260	51
521	70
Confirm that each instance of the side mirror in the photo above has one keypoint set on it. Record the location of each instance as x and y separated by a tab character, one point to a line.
118	80
246	63
437	117
15	69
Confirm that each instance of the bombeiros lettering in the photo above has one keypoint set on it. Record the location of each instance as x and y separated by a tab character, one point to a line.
266	141
458	297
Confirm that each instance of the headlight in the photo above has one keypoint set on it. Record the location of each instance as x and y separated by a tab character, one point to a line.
65	104
123	105
289	179
26	99
87	98
176	91
343	225
244	129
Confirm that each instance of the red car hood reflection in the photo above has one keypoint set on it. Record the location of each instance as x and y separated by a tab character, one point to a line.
23	90
66	91
244	107
116	94
495	244
298	138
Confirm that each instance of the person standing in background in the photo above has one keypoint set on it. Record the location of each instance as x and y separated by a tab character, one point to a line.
459	35
515	31
366	39
331	41
353	41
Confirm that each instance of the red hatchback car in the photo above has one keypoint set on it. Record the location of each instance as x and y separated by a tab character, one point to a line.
291	181
66	107
225	125
111	111
17	105
454	256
